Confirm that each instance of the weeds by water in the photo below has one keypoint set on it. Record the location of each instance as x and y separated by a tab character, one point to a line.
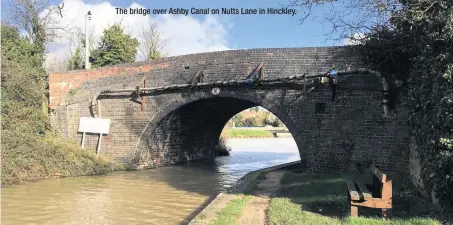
29	158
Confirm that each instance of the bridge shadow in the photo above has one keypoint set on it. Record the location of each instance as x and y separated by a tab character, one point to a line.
190	217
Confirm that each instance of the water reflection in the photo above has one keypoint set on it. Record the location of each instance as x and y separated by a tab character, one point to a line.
168	195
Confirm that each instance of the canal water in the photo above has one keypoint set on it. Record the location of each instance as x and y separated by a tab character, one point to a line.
166	195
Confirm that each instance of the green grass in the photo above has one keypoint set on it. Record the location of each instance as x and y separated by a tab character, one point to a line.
231	213
233	133
28	157
284	211
321	199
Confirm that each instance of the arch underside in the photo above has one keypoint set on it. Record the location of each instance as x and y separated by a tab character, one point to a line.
190	130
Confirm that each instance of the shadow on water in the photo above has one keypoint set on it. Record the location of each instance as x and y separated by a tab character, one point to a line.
188	218
211	176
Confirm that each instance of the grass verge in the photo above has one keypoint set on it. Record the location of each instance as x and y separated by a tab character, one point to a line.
321	199
234	133
30	157
231	213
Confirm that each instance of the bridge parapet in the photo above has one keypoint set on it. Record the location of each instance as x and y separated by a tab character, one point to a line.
223	65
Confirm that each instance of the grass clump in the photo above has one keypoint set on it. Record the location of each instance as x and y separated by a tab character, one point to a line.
231	213
283	211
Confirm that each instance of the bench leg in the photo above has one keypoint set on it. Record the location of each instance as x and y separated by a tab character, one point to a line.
386	213
354	210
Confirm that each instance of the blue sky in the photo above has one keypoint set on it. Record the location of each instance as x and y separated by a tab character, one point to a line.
254	31
192	33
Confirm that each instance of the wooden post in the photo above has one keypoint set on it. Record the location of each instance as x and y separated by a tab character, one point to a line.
354	211
83	139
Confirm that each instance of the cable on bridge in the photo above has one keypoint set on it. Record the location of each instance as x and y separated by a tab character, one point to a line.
281	82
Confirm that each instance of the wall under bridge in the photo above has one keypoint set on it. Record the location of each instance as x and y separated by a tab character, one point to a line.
177	127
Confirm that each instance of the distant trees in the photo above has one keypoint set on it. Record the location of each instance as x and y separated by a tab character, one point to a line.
238	120
258	119
77	60
77	48
252	122
115	47
152	43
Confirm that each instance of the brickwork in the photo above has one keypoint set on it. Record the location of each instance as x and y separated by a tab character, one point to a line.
174	128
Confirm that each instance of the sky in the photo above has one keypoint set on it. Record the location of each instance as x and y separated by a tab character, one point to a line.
194	33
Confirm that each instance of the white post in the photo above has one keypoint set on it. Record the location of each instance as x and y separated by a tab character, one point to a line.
100	135
87	41
98	149
83	139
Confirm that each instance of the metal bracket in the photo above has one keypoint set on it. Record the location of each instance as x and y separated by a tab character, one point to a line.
136	95
142	105
198	78
259	69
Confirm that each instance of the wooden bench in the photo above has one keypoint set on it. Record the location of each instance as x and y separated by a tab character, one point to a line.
276	132
377	195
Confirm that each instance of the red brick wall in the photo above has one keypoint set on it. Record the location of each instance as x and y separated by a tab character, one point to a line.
60	84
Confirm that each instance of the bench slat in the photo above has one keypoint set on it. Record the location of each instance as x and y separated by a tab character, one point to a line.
365	192
352	190
381	176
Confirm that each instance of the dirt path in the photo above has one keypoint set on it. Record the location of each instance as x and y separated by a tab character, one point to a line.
255	211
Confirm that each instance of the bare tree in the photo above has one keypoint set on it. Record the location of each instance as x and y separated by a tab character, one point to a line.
77	44
38	18
151	43
347	18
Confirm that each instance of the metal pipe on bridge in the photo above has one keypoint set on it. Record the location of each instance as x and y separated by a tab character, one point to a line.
263	83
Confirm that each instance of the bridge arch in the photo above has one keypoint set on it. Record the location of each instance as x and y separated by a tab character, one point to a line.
198	119
335	138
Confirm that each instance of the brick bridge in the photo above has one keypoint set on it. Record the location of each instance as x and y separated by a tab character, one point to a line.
180	126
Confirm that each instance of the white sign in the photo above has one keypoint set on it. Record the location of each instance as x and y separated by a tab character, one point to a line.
94	125
215	91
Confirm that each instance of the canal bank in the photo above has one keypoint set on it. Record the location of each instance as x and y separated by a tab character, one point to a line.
285	194
254	132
